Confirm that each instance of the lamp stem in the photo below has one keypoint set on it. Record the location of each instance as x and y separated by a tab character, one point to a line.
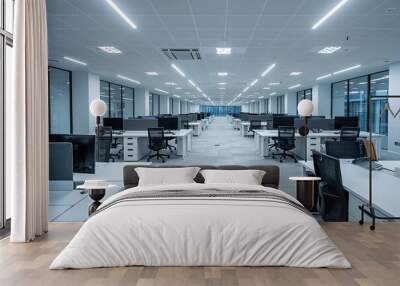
305	138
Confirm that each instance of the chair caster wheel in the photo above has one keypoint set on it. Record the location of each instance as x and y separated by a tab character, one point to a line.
361	222
372	227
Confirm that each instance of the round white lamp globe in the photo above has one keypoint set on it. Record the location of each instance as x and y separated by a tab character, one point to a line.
305	107
98	107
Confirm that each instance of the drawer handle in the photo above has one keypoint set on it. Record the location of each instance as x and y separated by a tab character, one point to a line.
130	143
130	155
313	144
130	138
130	149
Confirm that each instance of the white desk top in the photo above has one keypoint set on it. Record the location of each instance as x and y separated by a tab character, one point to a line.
194	123
385	186
327	133
248	123
144	133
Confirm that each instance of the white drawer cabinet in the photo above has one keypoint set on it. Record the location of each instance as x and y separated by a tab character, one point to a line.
135	148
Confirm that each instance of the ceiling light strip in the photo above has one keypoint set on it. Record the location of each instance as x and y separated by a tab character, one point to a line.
271	67
347	69
160	90
128	79
75	61
294	86
122	14
329	14
178	70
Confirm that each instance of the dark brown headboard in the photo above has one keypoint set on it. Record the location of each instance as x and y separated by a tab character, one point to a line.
270	179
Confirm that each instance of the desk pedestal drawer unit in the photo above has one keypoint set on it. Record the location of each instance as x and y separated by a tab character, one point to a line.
135	148
313	143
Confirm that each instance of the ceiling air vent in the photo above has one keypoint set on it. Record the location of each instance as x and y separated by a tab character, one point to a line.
182	54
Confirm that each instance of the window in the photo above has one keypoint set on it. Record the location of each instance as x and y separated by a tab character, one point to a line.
220	110
128	104
350	98
280	104
120	99
303	94
6	46
171	105
60	116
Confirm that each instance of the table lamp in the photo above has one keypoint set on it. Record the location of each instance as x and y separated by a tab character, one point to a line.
305	109
98	108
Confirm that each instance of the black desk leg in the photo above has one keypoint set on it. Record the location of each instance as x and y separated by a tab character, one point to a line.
96	195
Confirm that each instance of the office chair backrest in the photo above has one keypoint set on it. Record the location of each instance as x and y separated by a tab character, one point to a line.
156	138
255	124
344	149
107	132
184	124
286	137
328	169
349	133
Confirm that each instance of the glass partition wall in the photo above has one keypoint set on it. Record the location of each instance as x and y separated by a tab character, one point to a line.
350	98
120	99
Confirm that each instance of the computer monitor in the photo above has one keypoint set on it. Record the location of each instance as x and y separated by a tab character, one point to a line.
282	121
321	124
140	124
84	147
114	123
346	121
169	123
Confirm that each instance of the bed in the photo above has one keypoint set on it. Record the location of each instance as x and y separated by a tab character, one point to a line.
197	224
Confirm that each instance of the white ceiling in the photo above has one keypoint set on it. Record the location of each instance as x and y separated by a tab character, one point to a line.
260	32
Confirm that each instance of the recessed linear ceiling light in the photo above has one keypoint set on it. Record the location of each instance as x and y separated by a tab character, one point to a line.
222	83
268	70
160	90
347	69
222	74
294	86
260	97
169	83
178	70
253	82
128	79
198	89
224	51
295	73
178	87
110	50
191	82
329	50
266	88
246	89
324	76
177	96
151	73
330	13
122	14
274	83
75	61
221	88
272	93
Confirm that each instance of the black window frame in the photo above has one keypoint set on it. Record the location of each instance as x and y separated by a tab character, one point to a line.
347	96
121	98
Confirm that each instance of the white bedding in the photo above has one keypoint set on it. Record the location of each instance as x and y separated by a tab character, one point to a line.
219	232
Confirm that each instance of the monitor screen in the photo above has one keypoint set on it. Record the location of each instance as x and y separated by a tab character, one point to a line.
346	121
282	121
114	123
169	123
84	159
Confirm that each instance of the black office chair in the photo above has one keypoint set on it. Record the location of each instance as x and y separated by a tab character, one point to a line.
157	143
344	149
255	125
349	133
286	142
333	199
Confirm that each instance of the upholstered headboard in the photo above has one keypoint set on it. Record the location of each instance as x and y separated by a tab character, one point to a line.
270	179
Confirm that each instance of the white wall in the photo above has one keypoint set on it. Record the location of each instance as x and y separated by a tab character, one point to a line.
177	106
273	104
142	102
321	97
394	123
85	88
245	108
164	104
290	100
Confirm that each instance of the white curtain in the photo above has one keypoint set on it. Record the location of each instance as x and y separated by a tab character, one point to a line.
27	123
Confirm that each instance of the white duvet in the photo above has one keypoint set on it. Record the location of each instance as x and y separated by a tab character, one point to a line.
218	232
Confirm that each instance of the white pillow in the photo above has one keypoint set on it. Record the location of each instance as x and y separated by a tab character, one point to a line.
166	176
247	177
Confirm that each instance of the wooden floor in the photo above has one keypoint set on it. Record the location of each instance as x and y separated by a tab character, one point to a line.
375	257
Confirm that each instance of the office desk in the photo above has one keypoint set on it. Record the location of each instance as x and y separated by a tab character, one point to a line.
136	143
196	126
314	141
245	126
385	186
